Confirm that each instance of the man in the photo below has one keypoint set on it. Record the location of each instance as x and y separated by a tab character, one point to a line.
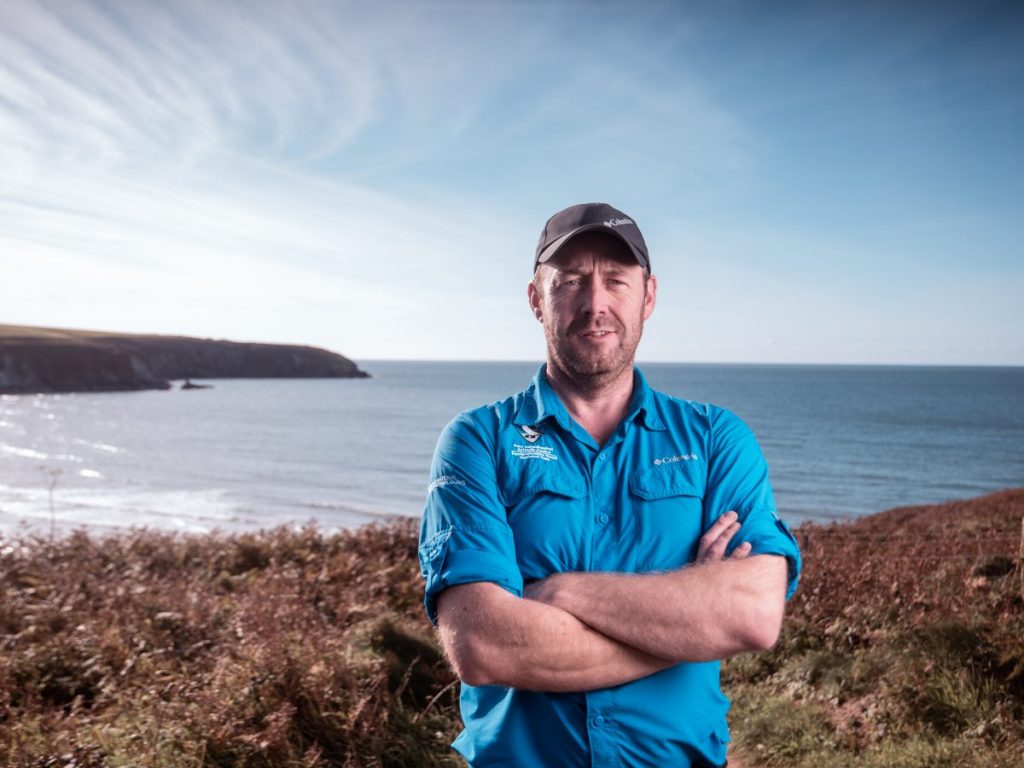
591	547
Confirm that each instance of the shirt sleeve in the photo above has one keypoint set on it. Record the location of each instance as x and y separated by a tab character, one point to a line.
464	535
738	481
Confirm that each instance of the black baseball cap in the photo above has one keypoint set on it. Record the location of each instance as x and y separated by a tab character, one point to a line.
590	217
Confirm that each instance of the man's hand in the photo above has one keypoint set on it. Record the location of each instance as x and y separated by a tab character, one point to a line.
710	550
716	539
543	591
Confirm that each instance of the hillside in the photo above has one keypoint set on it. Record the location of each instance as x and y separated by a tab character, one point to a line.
36	359
903	647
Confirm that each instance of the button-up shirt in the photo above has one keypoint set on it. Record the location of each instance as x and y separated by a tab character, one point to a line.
519	491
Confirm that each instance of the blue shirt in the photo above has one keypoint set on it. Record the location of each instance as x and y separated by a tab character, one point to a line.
519	491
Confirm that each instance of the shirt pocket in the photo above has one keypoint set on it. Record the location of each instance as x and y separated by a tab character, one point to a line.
546	509
668	506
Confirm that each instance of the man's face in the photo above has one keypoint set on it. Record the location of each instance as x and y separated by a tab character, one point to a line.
593	299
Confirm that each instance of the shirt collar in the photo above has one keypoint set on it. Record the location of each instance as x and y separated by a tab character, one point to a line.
642	407
540	402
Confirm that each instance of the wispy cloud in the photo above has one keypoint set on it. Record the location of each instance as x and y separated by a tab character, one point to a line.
286	171
219	141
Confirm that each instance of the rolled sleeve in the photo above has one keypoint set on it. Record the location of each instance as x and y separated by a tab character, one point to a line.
769	535
464	535
738	481
463	556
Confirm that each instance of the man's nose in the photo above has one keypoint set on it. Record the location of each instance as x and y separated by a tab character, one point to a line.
595	297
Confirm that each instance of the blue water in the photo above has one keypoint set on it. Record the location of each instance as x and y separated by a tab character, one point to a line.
841	441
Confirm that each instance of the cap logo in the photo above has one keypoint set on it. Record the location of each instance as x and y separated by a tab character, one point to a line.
617	222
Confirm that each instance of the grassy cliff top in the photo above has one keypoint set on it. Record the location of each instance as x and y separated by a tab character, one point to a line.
43	334
41	360
38	333
904	646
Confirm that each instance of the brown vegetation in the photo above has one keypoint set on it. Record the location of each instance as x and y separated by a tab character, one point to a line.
903	647
271	649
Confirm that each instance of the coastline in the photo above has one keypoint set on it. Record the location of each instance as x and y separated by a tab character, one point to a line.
37	360
903	646
254	453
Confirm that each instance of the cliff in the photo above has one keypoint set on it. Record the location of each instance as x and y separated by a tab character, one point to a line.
59	360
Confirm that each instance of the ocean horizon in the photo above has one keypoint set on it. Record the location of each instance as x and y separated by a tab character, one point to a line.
841	441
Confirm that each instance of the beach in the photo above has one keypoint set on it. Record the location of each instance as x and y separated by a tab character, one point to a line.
904	645
840	441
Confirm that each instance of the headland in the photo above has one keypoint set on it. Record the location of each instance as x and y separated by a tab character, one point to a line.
35	359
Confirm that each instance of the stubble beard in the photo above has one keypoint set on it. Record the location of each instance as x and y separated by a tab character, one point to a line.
592	369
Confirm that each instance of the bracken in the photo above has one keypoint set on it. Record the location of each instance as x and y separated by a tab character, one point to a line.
903	646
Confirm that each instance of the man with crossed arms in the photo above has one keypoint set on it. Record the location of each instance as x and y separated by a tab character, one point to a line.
592	548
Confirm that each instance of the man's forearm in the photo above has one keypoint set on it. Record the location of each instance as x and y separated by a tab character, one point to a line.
495	638
698	613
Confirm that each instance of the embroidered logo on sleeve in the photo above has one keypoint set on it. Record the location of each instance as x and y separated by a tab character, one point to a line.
542	452
674	459
443	481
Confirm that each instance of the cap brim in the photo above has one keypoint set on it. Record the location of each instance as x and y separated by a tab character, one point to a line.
552	248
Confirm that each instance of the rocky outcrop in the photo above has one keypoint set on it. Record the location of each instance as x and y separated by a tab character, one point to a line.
56	360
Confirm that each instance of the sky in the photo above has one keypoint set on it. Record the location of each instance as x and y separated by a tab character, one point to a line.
823	182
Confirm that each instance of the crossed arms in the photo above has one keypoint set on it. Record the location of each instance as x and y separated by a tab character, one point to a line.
583	631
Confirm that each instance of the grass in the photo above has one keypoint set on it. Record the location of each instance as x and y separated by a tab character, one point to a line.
40	333
903	647
284	648
34	333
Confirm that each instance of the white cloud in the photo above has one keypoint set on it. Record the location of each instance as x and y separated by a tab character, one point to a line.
261	170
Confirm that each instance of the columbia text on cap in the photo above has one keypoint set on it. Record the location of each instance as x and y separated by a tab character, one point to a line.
590	217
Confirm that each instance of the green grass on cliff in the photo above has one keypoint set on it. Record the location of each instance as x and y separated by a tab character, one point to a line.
39	333
903	647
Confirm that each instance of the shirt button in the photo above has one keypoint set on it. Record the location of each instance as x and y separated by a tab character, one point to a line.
603	456
598	721
602	519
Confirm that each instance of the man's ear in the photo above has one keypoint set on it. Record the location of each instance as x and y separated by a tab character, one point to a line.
535	300
650	296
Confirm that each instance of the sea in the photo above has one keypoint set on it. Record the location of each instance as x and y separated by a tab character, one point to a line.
243	455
